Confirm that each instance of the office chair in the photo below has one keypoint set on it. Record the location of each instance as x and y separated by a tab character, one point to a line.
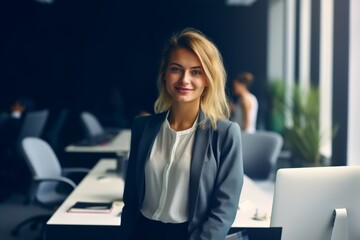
260	152
49	183
33	124
52	134
96	134
91	125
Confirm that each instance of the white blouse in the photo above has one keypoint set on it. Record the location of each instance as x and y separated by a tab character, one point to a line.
167	175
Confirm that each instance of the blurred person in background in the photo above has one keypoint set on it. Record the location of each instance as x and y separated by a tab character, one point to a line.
11	121
245	107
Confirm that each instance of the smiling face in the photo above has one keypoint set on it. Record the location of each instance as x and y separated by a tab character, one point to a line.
185	77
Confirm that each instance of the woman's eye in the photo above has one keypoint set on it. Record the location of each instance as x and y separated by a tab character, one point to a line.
175	69
196	72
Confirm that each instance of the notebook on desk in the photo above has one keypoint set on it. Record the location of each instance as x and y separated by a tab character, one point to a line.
91	207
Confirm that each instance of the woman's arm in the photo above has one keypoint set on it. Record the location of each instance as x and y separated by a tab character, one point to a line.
129	196
225	197
246	108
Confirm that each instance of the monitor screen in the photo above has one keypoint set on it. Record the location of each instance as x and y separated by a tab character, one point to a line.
305	200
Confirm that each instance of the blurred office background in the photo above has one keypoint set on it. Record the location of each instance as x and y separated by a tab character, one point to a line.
103	57
92	55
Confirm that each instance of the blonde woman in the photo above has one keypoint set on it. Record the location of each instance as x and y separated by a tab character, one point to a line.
185	171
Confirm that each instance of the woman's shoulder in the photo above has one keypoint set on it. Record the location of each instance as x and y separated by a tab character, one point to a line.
224	125
226	133
142	120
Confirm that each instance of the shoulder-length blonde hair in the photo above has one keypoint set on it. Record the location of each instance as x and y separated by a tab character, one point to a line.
214	102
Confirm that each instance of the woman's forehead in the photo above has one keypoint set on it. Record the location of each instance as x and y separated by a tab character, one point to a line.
184	58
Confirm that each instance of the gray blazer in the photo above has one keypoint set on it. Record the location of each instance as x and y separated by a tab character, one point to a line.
216	176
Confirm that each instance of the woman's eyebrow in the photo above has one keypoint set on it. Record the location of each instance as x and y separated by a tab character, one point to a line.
173	63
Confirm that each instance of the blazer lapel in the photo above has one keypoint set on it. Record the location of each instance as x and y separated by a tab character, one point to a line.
146	142
201	143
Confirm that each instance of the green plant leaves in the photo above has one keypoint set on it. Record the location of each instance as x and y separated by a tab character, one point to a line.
303	136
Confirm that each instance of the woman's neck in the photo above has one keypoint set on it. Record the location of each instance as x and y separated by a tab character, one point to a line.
182	117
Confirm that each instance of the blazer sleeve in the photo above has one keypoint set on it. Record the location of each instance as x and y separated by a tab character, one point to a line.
225	197
129	196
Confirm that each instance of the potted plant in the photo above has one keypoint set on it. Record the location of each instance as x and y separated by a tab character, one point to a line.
303	136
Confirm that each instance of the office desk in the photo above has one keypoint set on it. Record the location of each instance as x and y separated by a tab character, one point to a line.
103	184
88	156
120	143
253	199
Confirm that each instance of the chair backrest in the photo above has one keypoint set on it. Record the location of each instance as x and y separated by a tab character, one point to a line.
260	152
40	158
33	124
91	124
53	134
43	163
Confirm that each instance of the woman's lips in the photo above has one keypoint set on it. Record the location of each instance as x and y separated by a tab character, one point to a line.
183	90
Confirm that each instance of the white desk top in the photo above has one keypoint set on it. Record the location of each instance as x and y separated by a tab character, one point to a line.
253	198
120	143
103	185
98	186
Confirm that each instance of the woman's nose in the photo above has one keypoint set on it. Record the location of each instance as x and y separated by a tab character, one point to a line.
185	78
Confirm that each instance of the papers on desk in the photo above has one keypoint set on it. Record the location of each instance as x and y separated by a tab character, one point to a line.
91	207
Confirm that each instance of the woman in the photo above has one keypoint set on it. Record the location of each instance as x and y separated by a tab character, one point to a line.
244	111
185	168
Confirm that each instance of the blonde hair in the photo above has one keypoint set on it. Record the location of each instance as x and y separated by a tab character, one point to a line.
214	102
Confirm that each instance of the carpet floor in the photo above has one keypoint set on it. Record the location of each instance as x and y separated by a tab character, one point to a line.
13	210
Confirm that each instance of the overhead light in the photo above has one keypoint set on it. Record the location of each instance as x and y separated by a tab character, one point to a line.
246	3
45	1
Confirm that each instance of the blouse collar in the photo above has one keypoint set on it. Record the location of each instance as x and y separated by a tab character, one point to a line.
182	132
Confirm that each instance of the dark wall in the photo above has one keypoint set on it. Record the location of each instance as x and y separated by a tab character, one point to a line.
88	54
340	81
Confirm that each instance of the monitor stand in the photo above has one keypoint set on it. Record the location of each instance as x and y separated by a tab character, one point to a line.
340	228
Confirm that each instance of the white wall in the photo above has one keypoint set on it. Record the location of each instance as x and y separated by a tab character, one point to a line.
305	44
326	72
354	85
275	40
289	54
281	45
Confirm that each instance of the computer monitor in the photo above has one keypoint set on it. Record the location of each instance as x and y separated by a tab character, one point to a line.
305	200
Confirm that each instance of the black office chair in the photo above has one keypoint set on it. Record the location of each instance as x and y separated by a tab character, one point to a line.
48	179
53	133
31	125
